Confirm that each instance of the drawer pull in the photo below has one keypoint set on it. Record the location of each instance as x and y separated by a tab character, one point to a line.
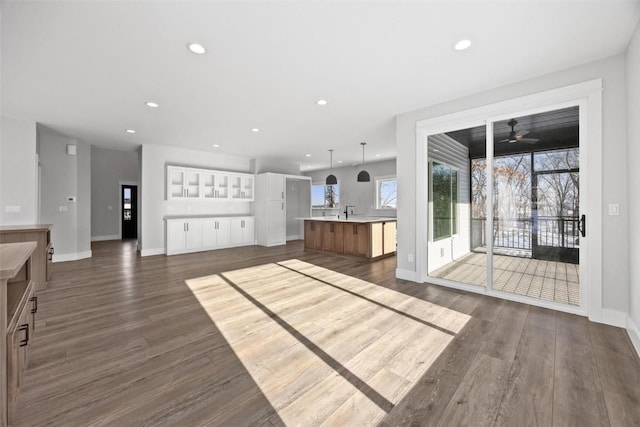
35	304
24	327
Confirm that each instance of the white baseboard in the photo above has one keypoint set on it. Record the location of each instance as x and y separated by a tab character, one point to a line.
151	252
406	275
101	238
296	237
614	318
71	257
634	334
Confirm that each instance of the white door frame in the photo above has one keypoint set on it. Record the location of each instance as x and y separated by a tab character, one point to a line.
586	95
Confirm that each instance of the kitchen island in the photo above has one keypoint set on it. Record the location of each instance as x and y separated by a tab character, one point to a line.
364	236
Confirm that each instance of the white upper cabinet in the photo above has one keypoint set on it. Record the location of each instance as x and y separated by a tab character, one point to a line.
203	184
242	187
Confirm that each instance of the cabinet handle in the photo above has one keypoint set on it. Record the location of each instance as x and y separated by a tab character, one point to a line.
282	195
35	304
24	327
243	223
216	225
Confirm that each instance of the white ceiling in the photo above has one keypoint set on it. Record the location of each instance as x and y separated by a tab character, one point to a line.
87	69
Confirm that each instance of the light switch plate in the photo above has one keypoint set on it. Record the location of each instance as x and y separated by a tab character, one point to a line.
614	209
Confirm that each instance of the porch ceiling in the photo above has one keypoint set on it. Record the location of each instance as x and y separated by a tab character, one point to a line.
554	129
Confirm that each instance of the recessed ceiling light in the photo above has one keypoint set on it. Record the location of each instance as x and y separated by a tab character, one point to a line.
152	104
216	145
321	102
462	44
339	161
255	130
307	155
197	48
130	131
377	154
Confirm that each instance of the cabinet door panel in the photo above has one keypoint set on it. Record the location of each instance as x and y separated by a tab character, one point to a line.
356	239
194	234
389	237
209	233
332	237
176	236
223	234
236	231
248	233
276	224
276	187
376	239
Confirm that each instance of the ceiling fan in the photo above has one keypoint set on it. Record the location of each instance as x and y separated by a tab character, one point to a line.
518	136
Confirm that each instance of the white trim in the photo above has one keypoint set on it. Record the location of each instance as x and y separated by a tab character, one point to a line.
409	275
151	252
586	95
296	237
634	334
71	257
614	317
102	238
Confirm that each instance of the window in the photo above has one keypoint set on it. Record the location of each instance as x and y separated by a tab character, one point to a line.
325	196
386	192
444	200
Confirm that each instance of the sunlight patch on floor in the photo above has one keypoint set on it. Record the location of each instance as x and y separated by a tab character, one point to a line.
324	347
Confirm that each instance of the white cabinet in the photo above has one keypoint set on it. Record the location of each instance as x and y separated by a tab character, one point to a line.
202	234
242	231
215	232
270	209
242	187
185	183
215	186
183	235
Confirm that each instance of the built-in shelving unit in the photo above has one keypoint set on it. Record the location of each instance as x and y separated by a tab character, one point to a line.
185	183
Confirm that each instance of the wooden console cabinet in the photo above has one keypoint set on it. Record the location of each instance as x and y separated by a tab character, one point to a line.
43	255
17	315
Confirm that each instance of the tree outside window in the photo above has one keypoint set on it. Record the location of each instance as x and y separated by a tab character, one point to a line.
325	196
386	193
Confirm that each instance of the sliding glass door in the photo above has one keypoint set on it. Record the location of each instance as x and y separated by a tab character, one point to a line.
508	218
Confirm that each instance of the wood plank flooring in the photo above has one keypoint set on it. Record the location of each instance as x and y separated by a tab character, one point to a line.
283	336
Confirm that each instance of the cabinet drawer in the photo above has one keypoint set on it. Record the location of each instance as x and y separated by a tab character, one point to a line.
18	338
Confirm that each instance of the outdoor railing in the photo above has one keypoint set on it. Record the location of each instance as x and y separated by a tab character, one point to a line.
516	233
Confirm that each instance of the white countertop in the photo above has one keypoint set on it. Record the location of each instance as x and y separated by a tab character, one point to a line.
354	218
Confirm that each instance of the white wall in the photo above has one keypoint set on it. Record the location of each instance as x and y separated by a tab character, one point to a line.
108	169
63	176
154	206
633	160
265	164
18	170
614	164
359	194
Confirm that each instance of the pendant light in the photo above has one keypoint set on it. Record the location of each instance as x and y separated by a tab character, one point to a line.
331	179
363	176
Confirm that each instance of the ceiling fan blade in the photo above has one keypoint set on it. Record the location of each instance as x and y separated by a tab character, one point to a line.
521	133
504	140
528	140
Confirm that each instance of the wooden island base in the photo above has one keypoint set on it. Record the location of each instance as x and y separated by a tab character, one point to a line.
372	238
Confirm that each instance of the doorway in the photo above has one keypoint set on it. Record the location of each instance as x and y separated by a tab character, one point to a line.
129	211
503	206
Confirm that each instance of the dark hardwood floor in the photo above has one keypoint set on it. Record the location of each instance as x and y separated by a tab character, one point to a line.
284	336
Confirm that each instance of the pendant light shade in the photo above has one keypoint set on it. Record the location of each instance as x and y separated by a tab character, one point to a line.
363	176
331	179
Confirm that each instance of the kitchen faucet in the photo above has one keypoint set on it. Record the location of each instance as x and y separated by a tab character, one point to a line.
346	211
